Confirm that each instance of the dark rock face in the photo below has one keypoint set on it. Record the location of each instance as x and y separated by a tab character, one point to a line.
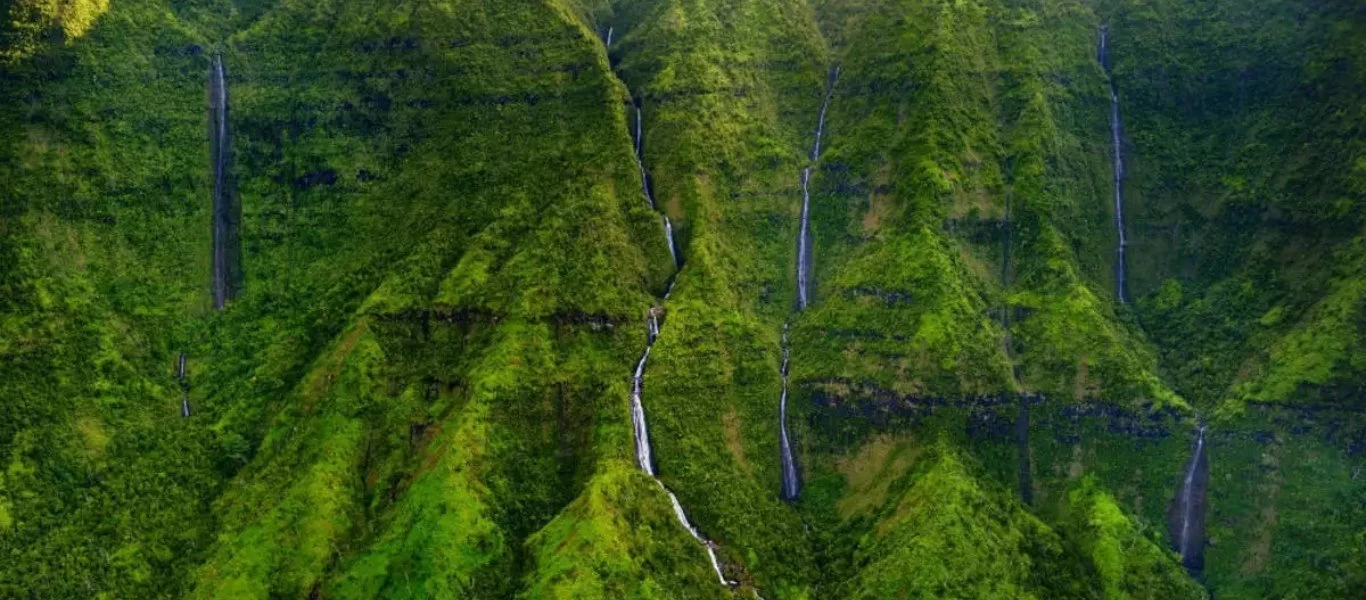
227	270
1186	514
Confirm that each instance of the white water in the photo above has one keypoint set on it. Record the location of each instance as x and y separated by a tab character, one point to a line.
643	457
185	406
706	543
1187	495
180	368
218	89
640	160
802	252
669	233
791	487
1120	275
804	235
645	189
608	43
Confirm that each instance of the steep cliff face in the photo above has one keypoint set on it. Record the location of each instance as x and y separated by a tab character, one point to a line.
447	230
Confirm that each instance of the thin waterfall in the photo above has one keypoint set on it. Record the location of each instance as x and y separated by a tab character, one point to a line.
803	252
608	43
804	234
224	236
1187	520
640	158
644	457
644	454
697	535
1118	156
673	250
791	486
639	140
181	375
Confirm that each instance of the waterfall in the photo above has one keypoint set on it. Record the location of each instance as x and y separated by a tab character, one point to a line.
1188	510
608	43
645	459
803	252
640	159
673	249
791	487
644	456
804	234
220	148
639	140
182	375
791	484
1118	156
706	543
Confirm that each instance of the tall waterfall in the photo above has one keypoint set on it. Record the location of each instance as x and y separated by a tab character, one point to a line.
1118	156
791	486
639	140
608	42
791	483
804	235
644	453
220	150
640	158
673	250
645	458
1187	517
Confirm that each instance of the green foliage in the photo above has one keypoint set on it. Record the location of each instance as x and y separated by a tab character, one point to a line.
618	539
422	389
26	25
1130	565
950	536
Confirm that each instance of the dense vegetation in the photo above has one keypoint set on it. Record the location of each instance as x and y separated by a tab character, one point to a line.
421	390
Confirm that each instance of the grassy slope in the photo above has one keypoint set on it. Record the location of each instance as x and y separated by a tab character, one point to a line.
1241	119
422	390
104	163
723	84
494	311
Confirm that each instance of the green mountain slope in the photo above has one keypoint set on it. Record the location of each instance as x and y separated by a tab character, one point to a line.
451	261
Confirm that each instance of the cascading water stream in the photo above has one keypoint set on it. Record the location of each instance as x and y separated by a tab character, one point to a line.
1118	156
669	233
1188	522
645	458
791	483
804	234
218	109
182	377
640	158
791	486
644	455
645	187
608	42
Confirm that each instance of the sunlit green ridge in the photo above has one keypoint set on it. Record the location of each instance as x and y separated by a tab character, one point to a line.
437	233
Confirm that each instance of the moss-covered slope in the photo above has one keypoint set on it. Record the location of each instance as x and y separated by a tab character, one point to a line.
421	388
